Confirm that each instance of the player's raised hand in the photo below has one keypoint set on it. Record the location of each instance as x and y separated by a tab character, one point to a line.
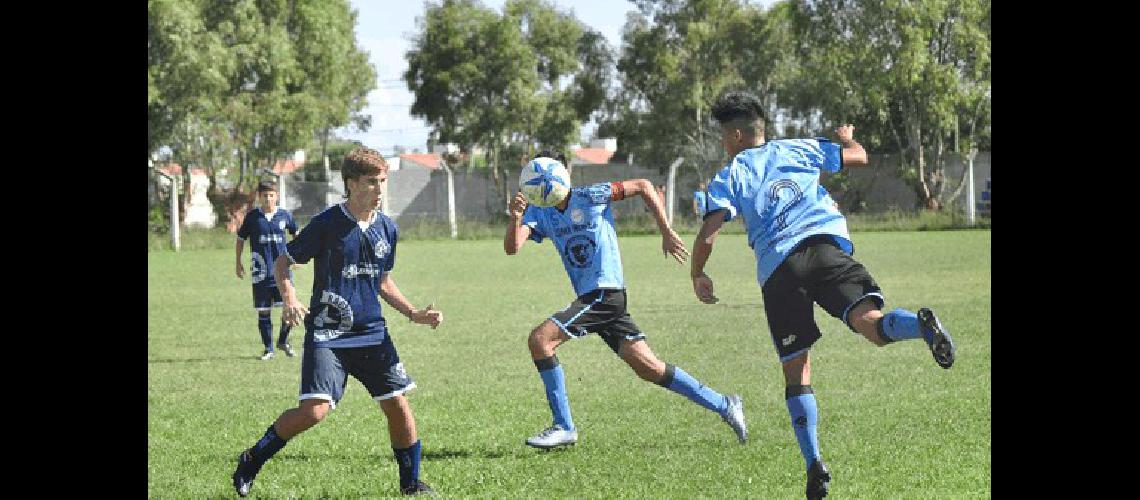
671	244
703	287
846	133
429	316
518	205
294	312
240	271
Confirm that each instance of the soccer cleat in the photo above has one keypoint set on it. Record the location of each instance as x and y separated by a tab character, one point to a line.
734	417
244	474
287	348
552	437
818	480
420	488
941	345
268	355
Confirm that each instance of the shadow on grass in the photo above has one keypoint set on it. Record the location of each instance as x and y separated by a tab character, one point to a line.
449	453
202	360
432	454
696	305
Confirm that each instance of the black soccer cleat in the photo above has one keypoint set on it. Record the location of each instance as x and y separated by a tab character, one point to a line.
818	480
941	345
288	349
420	488
244	474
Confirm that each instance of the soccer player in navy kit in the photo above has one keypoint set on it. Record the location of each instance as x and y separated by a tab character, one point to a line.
354	249
581	229
265	227
803	255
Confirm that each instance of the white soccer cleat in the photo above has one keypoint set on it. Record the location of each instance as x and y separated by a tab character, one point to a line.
553	437
734	417
267	356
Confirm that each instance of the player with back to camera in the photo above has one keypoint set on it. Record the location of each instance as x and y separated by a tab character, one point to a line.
803	255
581	228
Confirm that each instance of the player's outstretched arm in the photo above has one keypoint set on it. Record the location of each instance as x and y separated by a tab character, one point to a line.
517	232
671	244
294	311
702	249
853	153
391	294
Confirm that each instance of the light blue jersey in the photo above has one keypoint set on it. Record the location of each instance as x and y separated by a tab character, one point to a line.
583	235
775	187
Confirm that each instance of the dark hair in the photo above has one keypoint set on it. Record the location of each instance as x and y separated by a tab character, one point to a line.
361	161
740	109
264	186
546	153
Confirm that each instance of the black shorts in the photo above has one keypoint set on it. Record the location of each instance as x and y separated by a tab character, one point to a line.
601	311
816	271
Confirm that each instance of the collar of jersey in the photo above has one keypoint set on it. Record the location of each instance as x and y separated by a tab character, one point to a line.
344	208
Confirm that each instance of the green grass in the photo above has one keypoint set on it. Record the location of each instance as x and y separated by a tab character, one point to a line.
892	423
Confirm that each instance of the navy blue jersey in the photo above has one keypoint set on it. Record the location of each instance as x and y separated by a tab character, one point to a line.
266	235
350	262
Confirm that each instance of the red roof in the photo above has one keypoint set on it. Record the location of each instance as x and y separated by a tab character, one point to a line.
281	167
286	167
595	156
426	160
176	169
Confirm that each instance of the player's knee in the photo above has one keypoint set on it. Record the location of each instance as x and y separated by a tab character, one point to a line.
541	340
534	341
867	325
396	407
870	327
263	314
313	411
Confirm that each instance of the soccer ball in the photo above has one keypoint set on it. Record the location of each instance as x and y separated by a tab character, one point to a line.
545	182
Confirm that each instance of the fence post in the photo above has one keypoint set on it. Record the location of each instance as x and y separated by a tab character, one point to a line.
970	203
670	192
174	236
450	198
174	225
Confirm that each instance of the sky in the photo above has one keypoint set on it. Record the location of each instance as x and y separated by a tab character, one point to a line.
384	30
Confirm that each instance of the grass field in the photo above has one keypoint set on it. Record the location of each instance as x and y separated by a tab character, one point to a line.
892	423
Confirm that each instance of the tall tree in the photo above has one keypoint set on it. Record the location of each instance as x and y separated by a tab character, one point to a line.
250	79
677	57
508	82
912	74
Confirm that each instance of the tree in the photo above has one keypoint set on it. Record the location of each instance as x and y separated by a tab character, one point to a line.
511	82
677	58
913	75
258	78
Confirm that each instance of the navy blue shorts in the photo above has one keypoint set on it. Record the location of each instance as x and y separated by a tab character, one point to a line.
602	311
265	298
325	371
